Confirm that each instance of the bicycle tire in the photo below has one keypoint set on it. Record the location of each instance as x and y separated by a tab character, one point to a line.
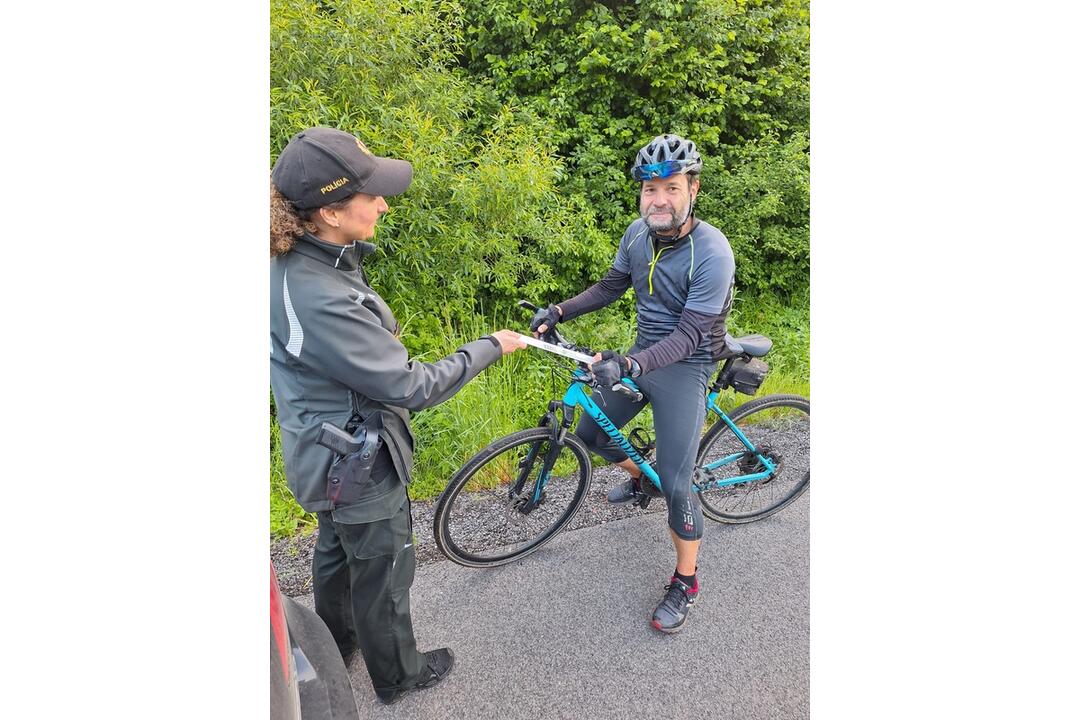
777	423
467	525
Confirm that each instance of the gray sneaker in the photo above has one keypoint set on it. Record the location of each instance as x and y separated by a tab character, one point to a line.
635	489
625	492
671	613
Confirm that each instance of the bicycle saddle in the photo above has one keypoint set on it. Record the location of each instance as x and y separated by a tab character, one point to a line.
752	345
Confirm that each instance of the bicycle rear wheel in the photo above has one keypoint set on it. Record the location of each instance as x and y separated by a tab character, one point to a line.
489	515
779	427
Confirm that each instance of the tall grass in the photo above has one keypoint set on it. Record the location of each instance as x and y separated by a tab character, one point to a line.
513	394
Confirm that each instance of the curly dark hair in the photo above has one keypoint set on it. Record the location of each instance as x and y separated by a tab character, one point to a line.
288	223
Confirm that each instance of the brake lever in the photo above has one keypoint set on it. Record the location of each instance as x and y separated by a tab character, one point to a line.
588	378
624	389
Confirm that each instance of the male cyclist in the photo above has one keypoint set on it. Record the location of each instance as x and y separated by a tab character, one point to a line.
682	270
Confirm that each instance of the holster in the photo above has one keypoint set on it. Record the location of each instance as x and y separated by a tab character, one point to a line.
354	455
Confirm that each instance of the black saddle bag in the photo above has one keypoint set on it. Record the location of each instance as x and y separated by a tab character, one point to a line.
744	376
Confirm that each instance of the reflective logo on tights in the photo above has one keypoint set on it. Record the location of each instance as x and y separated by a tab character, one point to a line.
688	517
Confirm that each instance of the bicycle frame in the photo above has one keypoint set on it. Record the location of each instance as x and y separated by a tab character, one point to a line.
576	397
769	465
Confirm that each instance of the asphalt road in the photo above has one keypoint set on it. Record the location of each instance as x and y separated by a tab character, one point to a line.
564	633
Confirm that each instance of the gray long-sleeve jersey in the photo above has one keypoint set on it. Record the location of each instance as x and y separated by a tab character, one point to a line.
682	311
334	351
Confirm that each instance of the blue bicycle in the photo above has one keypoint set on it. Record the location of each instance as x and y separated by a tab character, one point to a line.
521	490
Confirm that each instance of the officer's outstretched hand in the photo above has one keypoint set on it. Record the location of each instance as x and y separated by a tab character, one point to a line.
509	341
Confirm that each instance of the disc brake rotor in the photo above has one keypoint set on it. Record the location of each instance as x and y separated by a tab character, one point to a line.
751	464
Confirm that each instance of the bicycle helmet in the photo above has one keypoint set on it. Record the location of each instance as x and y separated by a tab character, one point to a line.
664	156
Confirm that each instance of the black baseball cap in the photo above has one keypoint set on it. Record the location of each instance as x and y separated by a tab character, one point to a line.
322	165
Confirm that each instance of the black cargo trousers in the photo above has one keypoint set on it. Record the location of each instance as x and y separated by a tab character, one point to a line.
362	575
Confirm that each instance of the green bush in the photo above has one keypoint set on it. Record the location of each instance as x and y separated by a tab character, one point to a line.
610	76
521	120
761	202
483	223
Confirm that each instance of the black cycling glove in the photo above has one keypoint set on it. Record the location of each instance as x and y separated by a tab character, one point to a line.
613	367
545	316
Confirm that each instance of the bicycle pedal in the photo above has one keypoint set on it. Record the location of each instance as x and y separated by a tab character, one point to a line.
649	490
643	501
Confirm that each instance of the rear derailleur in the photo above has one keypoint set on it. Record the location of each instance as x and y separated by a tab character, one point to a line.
750	464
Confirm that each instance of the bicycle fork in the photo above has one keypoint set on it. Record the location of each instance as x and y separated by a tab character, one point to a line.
524	502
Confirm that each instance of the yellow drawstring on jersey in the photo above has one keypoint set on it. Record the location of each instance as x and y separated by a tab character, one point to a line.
652	266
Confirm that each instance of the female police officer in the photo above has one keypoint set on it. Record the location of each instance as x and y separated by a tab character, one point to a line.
335	358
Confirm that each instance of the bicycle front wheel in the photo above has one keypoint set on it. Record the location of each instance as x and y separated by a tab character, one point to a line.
511	498
778	427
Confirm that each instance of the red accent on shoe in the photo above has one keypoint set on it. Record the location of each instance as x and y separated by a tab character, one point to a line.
656	624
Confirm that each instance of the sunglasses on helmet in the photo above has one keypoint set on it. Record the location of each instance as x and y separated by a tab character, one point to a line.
659	170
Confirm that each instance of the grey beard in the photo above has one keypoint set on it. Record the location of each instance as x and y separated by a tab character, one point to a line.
673	224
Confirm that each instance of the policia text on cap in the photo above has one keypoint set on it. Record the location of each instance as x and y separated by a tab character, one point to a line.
335	359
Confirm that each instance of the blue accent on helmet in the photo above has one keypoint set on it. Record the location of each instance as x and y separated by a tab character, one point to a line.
664	156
